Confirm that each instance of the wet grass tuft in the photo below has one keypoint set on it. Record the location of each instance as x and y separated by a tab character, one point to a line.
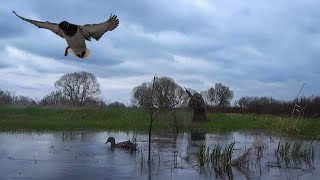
217	158
294	154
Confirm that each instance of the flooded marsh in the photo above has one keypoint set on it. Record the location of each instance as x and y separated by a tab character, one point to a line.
84	155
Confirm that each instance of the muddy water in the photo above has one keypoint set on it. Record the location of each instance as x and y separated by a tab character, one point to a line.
83	155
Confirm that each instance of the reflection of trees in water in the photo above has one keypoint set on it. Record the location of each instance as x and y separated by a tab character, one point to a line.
198	136
181	151
195	140
166	155
75	136
65	136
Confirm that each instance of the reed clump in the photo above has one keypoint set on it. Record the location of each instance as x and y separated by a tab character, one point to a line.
217	158
294	154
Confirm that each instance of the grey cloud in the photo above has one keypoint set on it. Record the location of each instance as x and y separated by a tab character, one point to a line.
255	47
8	28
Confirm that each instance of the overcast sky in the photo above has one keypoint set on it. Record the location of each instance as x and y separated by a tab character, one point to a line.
257	48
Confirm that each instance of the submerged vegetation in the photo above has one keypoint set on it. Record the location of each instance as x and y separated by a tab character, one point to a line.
217	158
292	154
132	119
223	160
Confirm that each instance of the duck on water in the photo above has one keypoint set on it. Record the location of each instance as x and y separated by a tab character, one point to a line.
124	145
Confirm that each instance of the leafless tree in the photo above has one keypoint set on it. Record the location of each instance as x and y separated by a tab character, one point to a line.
24	101
116	104
6	97
54	98
78	87
166	94
141	95
9	98
220	95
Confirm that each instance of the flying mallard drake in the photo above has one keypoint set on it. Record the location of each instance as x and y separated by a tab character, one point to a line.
76	35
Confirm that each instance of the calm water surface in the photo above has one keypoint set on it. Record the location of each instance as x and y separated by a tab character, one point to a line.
83	155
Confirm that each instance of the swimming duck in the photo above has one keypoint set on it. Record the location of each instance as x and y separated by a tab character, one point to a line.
125	144
75	35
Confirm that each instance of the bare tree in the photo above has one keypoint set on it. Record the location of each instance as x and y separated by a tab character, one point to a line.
141	95
211	97
166	94
116	104
24	101
6	97
54	98
78	87
244	102
9	98
220	95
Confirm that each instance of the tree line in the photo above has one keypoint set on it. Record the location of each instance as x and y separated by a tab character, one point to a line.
300	106
82	89
71	90
9	98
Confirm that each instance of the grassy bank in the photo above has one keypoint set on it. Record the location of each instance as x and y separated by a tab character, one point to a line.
53	119
268	123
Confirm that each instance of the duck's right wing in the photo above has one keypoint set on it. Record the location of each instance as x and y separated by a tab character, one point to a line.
54	27
97	30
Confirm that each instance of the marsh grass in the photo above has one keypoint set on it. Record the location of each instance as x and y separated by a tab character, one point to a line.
294	154
119	119
217	158
290	154
221	159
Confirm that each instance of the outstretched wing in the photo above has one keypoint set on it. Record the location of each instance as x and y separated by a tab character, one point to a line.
46	25
97	30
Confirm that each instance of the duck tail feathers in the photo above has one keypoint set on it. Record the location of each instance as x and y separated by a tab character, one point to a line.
86	55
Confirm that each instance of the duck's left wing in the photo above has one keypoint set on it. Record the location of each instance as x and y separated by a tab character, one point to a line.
97	30
46	25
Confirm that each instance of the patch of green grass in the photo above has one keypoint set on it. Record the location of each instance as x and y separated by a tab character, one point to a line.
71	119
231	122
271	124
55	119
